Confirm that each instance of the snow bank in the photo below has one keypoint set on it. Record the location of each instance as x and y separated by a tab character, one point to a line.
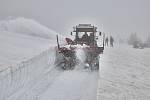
21	39
16	48
27	27
21	61
24	75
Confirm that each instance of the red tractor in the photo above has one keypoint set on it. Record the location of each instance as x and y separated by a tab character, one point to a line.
86	38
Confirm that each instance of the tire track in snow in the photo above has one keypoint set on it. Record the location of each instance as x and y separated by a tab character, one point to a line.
73	85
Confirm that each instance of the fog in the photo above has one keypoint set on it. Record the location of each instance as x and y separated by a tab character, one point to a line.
117	17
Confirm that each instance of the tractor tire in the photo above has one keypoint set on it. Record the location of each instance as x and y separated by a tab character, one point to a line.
95	65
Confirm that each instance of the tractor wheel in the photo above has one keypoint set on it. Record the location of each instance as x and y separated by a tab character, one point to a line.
95	64
69	63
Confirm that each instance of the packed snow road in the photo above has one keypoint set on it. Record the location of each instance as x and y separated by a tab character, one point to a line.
124	74
73	85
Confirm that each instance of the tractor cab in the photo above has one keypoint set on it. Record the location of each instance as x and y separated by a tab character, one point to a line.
85	34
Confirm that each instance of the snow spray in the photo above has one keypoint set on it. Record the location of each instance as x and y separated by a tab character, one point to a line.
81	56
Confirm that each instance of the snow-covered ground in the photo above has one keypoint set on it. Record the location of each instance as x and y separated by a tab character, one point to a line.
24	46
39	79
73	85
124	74
28	72
15	48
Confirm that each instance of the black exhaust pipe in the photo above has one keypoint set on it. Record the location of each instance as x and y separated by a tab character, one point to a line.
57	42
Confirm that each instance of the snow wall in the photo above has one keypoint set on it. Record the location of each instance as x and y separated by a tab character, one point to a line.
25	74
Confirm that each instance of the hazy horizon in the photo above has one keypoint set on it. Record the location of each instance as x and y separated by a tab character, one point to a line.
118	17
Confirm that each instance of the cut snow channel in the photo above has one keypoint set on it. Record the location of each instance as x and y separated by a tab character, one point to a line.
73	85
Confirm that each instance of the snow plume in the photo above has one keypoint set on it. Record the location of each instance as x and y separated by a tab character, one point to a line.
27	27
81	56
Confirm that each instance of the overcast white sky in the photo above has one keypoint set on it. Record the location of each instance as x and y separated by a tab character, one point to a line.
119	17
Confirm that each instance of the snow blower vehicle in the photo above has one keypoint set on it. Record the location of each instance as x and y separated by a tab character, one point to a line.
87	39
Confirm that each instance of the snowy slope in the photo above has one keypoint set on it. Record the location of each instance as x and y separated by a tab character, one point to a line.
21	39
124	74
15	48
26	52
